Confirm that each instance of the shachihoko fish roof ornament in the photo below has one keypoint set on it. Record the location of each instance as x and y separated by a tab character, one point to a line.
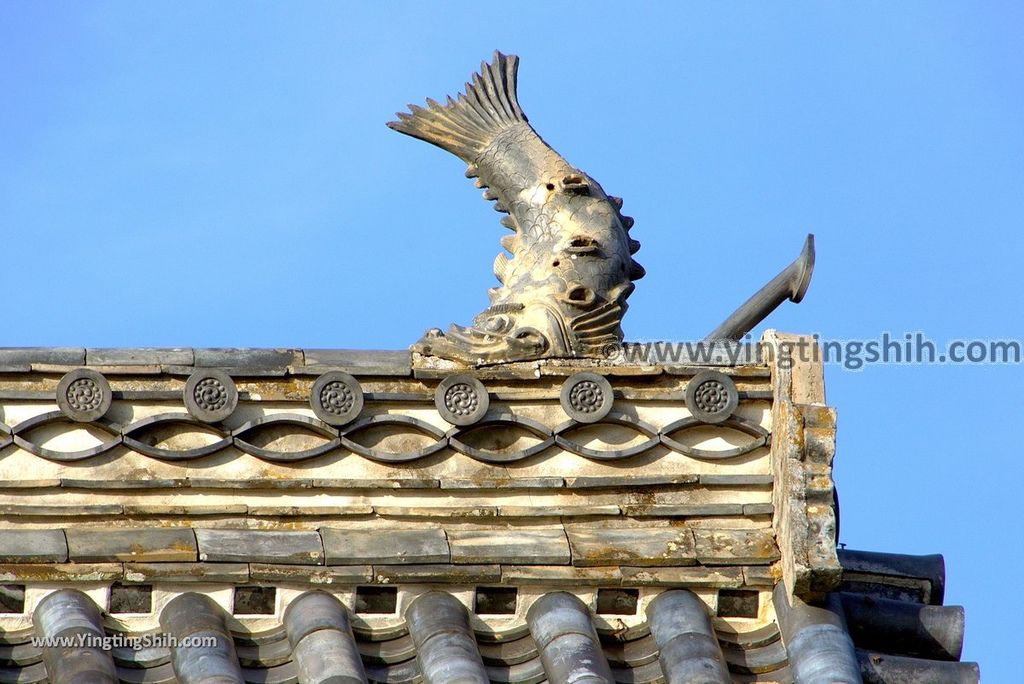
569	267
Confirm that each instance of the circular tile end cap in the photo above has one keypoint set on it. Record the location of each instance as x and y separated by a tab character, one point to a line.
587	397
336	398
712	397
461	399
210	395
84	395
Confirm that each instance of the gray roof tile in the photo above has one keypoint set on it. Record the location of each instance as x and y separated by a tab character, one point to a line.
57	356
656	546
259	546
139	356
318	641
70	611
195	614
359	361
539	547
131	544
33	546
357	547
254	359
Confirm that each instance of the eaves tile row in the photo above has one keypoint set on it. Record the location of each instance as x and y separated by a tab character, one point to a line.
872	638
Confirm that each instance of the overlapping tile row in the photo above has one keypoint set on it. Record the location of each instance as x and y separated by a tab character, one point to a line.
884	639
671	357
554	554
308	510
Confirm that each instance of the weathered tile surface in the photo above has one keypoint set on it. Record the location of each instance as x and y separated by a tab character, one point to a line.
255	359
568	510
641	547
139	356
398	482
691	576
736	547
737	479
560	574
762	575
234	573
258	546
186	509
312	574
127	544
33	546
65	511
57	356
468	511
358	547
445	574
682	510
509	545
343	509
360	361
60	572
628	480
503	483
148	483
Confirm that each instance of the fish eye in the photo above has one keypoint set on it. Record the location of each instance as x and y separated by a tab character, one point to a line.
497	324
550	186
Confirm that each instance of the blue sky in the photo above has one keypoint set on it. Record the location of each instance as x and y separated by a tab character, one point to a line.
219	174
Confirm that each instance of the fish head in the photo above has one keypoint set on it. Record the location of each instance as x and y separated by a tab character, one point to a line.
501	332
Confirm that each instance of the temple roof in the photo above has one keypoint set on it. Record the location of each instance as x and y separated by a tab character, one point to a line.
395	514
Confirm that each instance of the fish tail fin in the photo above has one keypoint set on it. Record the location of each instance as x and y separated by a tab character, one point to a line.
467	124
